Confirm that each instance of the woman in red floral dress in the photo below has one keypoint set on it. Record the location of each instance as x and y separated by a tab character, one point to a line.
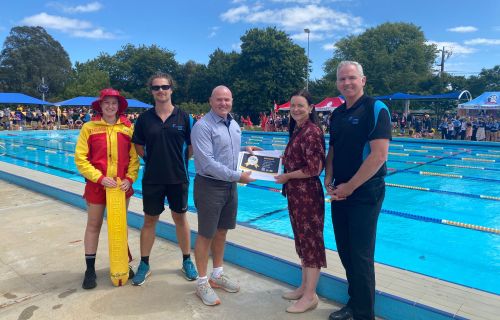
304	159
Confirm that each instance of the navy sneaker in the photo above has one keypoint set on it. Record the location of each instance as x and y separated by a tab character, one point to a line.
189	270
142	273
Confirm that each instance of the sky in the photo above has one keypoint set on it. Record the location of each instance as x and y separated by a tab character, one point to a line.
470	30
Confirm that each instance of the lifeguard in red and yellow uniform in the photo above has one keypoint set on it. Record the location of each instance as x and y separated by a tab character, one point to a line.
104	155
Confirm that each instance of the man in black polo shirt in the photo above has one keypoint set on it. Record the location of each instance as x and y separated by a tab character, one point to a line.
162	139
360	131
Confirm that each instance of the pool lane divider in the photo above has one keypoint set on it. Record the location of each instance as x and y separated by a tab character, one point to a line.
442	221
447	175
469	195
478	160
488	155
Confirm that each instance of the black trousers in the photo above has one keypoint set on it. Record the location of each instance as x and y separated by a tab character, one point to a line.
355	227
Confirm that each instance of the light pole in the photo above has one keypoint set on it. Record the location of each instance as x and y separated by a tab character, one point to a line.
306	30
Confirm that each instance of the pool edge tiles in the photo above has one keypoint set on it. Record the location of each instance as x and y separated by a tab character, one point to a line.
400	294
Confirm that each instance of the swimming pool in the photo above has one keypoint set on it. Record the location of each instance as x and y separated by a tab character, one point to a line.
428	183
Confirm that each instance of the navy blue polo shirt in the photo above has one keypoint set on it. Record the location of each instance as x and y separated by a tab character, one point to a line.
165	146
351	131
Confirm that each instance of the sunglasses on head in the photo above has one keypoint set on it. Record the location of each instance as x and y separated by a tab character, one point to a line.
163	87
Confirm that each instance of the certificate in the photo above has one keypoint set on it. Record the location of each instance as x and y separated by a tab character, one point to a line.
264	165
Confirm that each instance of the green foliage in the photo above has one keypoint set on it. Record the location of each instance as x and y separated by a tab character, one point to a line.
394	57
85	80
322	88
195	108
130	68
270	67
28	54
222	68
192	84
487	80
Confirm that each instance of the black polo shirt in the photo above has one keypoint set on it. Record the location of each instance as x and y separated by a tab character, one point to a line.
165	146
351	131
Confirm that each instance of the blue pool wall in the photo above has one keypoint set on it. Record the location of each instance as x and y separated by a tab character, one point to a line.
387	306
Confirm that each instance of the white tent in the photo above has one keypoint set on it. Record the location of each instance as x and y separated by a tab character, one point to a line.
486	101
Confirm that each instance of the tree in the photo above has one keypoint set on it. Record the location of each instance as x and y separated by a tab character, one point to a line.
192	83
28	54
130	68
322	88
222	68
394	56
86	80
269	68
487	80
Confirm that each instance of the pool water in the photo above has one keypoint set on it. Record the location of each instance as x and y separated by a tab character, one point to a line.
469	193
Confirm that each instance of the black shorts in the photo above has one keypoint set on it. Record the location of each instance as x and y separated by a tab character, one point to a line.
217	205
153	198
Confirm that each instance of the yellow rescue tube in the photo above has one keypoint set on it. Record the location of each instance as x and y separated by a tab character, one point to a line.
117	235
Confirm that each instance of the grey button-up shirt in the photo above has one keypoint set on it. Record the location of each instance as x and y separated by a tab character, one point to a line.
216	147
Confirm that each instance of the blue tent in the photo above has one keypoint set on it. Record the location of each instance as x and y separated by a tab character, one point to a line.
87	101
486	101
406	96
78	101
137	104
20	98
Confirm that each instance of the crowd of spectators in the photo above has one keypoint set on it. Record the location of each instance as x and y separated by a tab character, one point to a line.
32	118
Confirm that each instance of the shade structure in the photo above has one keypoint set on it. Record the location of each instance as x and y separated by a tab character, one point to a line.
486	101
407	96
77	101
285	106
87	101
6	97
138	104
329	104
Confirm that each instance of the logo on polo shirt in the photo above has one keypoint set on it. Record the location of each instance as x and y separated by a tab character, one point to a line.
353	120
179	127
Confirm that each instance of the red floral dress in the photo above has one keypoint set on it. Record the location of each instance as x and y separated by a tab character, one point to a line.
306	200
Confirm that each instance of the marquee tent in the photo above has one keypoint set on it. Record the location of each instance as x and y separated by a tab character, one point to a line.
87	101
21	98
486	101
327	104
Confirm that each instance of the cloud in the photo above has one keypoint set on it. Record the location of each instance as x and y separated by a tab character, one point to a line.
483	41
462	29
74	27
89	7
453	46
298	1
97	33
213	32
321	20
302	36
235	14
329	47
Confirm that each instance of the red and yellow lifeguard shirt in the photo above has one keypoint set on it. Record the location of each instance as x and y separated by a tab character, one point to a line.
106	150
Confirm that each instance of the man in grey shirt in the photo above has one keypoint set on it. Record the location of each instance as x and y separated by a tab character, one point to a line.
216	141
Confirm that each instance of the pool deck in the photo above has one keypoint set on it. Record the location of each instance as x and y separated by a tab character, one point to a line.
42	266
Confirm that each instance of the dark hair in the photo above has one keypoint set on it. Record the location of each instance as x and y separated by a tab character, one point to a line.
312	116
161	75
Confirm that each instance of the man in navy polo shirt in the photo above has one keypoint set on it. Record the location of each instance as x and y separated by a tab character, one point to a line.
360	131
162	139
